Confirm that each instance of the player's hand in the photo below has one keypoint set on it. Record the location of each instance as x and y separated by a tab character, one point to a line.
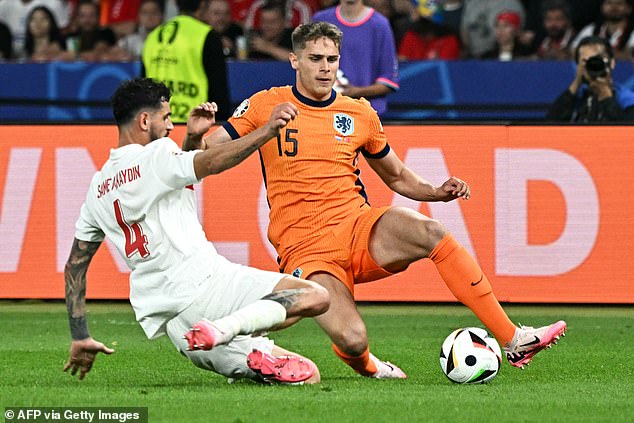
281	115
82	356
201	118
454	188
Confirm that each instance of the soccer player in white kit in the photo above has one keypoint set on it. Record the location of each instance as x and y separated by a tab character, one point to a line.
143	201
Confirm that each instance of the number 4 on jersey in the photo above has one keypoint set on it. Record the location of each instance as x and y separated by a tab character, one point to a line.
140	241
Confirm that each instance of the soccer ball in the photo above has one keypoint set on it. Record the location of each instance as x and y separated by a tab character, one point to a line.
470	355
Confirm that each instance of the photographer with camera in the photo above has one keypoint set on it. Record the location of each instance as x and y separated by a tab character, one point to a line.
593	96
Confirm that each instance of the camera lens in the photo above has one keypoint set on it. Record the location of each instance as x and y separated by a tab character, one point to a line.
597	66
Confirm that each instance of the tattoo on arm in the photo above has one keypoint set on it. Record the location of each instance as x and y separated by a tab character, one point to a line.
288	297
75	277
240	156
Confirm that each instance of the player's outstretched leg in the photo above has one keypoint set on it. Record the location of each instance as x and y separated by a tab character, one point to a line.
419	237
345	327
292	298
528	341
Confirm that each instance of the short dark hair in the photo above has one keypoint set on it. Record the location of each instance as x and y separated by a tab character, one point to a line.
313	31
562	5
188	5
594	40
135	95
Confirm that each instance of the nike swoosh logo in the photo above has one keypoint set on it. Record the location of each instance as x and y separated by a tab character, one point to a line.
533	342
475	283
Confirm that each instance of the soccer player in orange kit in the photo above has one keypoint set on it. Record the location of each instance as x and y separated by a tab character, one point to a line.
321	224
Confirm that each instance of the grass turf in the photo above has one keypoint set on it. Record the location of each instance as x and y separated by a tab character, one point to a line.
587	377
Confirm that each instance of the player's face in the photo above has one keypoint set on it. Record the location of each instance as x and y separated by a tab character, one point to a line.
160	122
316	68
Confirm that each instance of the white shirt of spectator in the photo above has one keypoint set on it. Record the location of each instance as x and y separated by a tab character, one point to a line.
588	31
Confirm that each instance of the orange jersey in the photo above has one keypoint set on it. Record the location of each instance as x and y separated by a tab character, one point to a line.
310	170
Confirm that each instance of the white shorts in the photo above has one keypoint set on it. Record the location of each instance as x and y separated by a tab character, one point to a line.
230	288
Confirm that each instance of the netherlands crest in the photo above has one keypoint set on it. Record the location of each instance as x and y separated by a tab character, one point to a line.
343	123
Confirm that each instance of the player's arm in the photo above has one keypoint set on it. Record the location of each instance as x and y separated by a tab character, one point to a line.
401	179
83	348
220	152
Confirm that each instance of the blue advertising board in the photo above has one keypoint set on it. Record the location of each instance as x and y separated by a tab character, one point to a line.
432	90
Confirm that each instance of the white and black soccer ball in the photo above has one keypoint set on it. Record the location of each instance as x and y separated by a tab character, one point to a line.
470	355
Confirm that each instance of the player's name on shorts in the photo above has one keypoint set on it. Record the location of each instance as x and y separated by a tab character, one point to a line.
120	178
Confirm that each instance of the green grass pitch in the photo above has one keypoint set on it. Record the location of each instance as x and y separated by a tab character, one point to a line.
587	377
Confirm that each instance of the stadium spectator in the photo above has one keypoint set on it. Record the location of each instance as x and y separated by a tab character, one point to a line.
6	43
13	13
218	15
143	200
478	24
187	54
615	24
321	224
368	53
297	12
593	96
507	43
150	17
559	31
429	40
273	40
90	42
44	41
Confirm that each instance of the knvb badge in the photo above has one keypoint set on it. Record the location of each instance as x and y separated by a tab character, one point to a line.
343	124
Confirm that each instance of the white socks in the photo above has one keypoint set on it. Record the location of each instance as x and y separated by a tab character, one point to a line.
259	316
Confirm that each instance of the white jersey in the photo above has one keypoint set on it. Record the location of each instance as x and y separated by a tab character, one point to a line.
143	201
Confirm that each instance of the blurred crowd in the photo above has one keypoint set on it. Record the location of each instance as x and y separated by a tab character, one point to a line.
115	30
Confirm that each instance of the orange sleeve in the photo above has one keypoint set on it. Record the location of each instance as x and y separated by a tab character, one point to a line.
248	116
376	147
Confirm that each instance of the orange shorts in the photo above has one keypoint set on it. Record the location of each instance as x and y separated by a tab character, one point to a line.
343	252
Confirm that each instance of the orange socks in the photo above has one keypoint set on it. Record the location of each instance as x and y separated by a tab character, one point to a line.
466	281
361	364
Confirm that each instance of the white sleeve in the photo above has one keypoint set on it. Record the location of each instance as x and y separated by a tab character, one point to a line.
86	228
174	167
